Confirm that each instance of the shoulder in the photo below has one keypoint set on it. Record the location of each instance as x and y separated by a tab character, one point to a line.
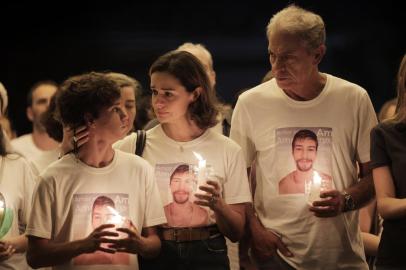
219	139
389	127
341	85
127	143
61	166
131	161
257	92
22	139
287	178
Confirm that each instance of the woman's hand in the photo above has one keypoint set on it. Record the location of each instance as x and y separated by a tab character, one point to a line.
212	198
73	139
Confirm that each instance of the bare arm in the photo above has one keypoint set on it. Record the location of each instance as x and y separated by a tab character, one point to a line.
389	207
364	190
43	252
229	218
366	219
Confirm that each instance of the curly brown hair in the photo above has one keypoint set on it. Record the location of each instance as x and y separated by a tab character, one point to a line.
85	94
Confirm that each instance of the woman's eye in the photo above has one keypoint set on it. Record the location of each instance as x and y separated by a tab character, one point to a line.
154	92
168	94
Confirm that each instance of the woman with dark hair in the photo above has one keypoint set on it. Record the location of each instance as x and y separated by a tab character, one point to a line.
57	229
186	107
388	161
16	188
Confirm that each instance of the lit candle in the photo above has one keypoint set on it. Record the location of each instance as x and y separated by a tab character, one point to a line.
315	188
116	219
202	169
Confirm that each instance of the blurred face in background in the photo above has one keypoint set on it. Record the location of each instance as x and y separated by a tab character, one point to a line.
41	97
128	99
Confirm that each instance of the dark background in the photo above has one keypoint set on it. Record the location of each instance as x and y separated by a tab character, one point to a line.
365	42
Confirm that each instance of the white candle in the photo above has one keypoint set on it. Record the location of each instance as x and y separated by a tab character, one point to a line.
315	188
202	169
116	219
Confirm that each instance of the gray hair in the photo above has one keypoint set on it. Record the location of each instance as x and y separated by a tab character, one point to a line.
194	48
306	25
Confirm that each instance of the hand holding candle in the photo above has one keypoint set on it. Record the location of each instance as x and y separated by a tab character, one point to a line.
201	171
118	220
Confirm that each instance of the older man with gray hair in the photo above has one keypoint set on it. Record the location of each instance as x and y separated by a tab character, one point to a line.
288	231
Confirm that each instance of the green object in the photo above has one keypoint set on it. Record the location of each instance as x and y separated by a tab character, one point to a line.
6	223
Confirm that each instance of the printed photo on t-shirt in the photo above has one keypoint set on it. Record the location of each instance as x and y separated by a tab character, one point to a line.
304	156
93	210
177	183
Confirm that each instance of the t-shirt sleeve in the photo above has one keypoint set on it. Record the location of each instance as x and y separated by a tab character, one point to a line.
240	132
236	187
41	216
367	120
154	211
379	155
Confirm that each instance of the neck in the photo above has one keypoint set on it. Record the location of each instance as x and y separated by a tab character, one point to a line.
96	153
43	141
182	131
181	207
302	176
309	89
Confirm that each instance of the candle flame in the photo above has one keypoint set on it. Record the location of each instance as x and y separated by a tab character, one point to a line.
1	204
316	178
117	218
202	161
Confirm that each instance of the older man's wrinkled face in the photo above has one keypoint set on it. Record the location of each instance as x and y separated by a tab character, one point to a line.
293	63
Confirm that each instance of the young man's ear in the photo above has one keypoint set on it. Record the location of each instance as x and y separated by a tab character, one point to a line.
30	113
89	120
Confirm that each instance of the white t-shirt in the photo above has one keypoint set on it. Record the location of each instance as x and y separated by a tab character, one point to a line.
45	159
64	207
25	146
264	123
221	154
17	184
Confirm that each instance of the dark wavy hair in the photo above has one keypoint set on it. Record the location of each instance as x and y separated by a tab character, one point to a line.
53	127
185	67
85	94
